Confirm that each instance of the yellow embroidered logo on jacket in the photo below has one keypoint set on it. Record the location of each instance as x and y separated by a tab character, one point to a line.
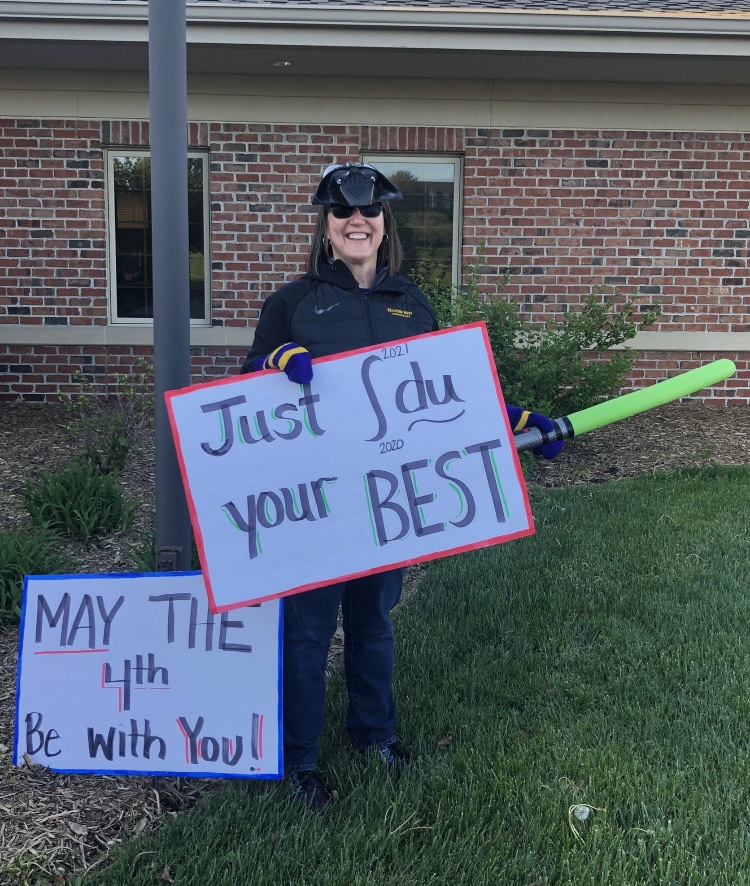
400	312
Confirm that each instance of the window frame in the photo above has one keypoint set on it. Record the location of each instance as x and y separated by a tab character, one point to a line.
377	159
129	151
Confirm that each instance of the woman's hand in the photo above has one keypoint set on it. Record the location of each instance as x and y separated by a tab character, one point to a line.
290	358
520	419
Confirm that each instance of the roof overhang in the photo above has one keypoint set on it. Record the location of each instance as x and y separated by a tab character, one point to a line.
395	41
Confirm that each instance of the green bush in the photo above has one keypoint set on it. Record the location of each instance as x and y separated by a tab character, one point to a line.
555	368
24	553
107	429
78	502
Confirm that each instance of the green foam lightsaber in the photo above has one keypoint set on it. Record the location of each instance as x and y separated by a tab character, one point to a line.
628	404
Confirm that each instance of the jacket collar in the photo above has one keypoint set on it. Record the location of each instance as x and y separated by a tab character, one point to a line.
338	273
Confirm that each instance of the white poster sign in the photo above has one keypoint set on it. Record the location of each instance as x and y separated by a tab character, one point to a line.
132	674
391	455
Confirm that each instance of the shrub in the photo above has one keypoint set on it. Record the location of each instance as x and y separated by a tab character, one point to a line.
78	502
107	429
555	368
24	553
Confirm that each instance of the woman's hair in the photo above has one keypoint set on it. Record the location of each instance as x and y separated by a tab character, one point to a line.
389	252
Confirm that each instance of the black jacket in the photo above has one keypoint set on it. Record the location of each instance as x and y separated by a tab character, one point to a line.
327	313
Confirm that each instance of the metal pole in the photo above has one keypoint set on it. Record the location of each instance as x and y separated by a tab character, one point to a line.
167	58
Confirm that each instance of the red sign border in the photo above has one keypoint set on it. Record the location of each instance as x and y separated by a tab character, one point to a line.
169	395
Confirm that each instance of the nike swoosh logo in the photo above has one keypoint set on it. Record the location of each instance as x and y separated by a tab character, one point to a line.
324	310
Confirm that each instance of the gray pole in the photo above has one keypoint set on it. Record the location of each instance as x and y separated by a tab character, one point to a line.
167	60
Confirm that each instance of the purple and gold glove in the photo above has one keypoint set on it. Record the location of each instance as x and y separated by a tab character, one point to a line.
289	358
522	418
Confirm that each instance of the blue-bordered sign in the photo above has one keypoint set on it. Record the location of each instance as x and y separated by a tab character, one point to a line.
132	674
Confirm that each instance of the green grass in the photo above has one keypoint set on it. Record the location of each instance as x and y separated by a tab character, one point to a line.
604	661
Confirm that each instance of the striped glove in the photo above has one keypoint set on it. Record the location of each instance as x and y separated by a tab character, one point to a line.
289	358
521	419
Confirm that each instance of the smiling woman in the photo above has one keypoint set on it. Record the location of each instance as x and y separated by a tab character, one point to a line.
355	239
352	296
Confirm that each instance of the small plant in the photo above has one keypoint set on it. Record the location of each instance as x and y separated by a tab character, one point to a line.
555	368
36	869
108	429
23	553
78	502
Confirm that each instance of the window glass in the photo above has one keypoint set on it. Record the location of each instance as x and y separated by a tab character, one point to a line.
428	217
131	270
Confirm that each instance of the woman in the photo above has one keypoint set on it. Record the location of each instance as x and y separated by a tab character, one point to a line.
351	297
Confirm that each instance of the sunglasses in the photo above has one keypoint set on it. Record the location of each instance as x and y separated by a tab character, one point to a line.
371	211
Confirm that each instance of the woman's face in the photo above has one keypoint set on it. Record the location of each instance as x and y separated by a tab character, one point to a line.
356	240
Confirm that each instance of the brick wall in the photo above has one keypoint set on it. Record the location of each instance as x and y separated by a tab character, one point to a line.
659	215
52	251
41	373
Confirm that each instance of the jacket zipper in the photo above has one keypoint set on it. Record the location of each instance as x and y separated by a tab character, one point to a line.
368	317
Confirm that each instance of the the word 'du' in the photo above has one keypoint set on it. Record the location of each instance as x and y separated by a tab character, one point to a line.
412	395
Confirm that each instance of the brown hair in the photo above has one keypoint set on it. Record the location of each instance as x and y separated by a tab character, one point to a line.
389	252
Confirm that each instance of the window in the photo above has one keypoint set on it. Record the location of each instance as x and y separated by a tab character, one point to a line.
428	217
131	272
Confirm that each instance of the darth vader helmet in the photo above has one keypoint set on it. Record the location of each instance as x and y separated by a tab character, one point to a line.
355	184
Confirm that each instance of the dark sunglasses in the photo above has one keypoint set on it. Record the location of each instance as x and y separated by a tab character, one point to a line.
371	211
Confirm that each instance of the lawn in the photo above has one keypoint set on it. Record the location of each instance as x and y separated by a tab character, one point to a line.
578	702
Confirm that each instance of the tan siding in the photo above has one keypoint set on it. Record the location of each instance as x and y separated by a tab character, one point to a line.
383	101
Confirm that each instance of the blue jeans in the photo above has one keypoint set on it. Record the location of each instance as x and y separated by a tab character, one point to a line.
309	624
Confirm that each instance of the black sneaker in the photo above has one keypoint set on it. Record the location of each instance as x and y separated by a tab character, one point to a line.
309	787
395	757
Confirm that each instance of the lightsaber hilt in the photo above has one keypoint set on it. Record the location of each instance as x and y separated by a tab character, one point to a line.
533	437
626	405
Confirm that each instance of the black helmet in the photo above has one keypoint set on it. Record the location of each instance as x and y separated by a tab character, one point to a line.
355	184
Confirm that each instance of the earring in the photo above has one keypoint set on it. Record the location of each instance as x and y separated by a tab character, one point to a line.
385	238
